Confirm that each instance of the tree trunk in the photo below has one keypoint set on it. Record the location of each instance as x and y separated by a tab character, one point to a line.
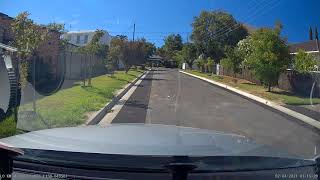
269	87
127	69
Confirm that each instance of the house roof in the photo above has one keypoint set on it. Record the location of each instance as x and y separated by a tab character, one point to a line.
5	16
308	46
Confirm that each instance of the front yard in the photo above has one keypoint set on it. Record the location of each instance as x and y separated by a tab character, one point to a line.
276	95
69	107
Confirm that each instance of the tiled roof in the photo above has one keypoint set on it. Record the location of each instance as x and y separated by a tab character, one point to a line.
306	46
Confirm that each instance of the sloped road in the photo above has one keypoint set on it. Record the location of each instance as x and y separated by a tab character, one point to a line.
169	97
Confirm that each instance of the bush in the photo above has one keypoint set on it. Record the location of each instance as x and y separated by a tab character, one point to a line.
304	62
210	63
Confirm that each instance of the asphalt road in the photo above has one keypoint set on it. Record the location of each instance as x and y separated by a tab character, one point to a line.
168	97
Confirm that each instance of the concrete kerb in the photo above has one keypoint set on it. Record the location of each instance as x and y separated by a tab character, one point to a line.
98	116
272	105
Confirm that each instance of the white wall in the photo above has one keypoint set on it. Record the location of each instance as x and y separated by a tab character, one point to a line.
106	39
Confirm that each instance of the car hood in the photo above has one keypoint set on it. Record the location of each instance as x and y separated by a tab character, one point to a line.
142	139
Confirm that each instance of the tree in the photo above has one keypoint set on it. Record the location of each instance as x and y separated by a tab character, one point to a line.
56	27
233	61
190	53
310	34
201	64
94	48
316	34
27	37
270	55
133	53
61	29
130	52
172	44
115	52
244	49
150	48
210	63
214	31
304	62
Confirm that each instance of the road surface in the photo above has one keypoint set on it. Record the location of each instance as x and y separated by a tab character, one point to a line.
168	97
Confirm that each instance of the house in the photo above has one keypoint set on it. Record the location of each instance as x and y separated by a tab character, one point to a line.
49	47
310	47
82	38
5	28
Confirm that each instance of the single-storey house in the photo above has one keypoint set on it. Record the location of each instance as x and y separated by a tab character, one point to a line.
310	47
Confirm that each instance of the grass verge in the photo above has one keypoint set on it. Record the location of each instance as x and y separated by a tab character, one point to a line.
276	95
69	107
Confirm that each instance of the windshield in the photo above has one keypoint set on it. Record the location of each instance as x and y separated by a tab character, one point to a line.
202	78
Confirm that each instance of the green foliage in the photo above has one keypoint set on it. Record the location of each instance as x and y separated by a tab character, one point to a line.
189	52
211	35
7	127
95	47
172	44
210	63
304	62
27	37
201	64
56	27
244	49
130	52
270	55
233	61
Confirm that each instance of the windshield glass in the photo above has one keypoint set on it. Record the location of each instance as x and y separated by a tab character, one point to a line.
200	78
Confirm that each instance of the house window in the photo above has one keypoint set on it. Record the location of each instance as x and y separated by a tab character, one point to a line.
85	39
78	39
69	37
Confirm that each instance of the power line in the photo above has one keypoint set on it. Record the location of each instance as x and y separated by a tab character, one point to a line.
234	27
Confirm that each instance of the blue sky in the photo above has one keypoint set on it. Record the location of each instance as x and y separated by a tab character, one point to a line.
156	19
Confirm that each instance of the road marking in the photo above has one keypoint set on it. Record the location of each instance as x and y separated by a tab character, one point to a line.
271	104
108	118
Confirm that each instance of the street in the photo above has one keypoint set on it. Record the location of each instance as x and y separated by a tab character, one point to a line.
166	96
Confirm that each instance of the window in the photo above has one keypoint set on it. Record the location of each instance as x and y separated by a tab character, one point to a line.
85	39
78	39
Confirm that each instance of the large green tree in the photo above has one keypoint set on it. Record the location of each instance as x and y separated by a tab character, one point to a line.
270	55
214	31
172	44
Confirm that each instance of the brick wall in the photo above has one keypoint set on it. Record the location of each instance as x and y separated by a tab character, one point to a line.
5	29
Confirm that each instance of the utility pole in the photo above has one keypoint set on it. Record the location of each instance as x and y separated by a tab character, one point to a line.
187	37
134	31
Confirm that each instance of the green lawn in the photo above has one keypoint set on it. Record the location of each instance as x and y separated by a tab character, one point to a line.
277	95
7	127
69	107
